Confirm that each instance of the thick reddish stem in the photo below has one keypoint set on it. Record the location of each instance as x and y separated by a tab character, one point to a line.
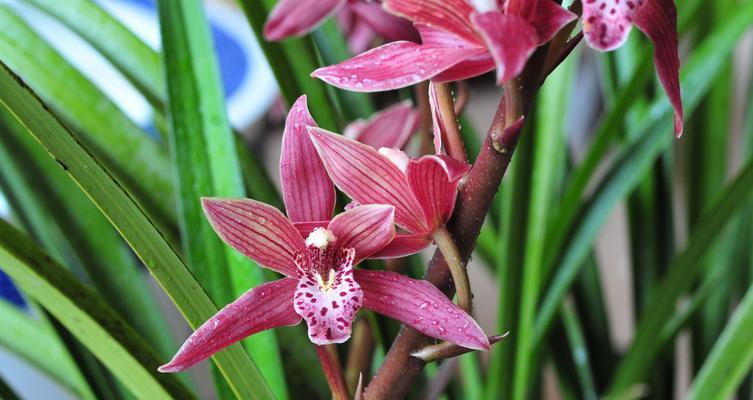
333	371
399	369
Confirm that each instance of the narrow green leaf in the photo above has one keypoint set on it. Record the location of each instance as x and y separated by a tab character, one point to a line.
205	158
135	227
550	139
682	273
579	350
82	235
137	61
40	348
138	162
730	359
6	392
86	316
652	136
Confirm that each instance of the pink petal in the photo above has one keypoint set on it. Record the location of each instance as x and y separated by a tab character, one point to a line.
389	128
308	192
386	25
607	23
404	245
447	15
298	17
264	307
329	311
658	20
394	65
549	19
305	228
510	39
360	37
257	230
434	181
439	127
367	229
368	177
420	305
521	8
469	68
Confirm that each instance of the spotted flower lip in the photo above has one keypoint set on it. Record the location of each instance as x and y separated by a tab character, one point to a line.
458	42
607	24
316	254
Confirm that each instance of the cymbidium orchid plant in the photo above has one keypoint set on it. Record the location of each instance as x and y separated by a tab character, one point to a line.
366	224
317	255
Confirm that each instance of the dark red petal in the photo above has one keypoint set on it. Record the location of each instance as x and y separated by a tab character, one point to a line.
658	20
434	181
420	305
305	228
447	15
298	17
510	39
257	230
471	67
521	8
308	192
389	128
549	18
367	229
391	66
368	177
404	245
264	307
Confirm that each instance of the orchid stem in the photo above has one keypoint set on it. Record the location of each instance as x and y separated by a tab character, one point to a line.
453	142
333	371
422	98
449	250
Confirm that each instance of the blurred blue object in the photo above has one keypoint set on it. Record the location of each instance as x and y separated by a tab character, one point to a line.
9	292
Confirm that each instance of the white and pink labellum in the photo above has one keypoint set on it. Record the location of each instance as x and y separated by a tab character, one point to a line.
328	299
607	23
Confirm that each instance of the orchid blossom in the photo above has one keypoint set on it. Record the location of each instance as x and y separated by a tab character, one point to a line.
459	41
391	127
607	23
360	19
317	255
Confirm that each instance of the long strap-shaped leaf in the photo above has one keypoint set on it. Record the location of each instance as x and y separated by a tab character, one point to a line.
205	159
137	160
86	316
730	359
117	205
40	348
636	160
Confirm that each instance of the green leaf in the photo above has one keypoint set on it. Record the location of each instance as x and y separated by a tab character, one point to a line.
731	357
63	219
40	348
205	158
682	273
6	392
135	227
136	160
652	137
548	143
126	51
86	316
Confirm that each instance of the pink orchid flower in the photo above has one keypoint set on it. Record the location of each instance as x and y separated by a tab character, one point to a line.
460	40
607	23
359	19
391	127
317	255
